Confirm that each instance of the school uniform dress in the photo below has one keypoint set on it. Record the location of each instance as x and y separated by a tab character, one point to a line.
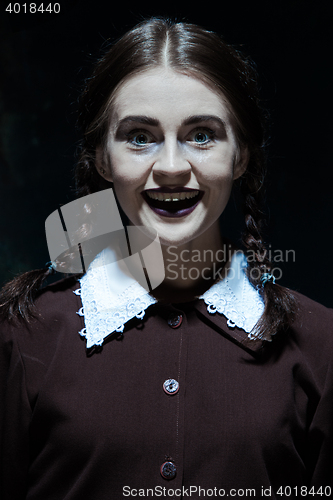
108	395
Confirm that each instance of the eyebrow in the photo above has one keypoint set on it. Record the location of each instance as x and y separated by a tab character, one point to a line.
145	120
191	120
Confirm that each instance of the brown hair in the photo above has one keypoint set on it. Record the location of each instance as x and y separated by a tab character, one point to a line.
193	50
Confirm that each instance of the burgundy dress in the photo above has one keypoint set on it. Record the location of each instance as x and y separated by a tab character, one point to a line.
176	403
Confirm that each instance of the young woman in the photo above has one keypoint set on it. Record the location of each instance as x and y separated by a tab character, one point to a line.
217	381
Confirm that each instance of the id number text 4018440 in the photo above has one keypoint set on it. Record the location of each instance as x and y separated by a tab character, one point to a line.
33	8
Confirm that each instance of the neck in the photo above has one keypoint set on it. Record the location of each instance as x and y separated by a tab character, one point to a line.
193	267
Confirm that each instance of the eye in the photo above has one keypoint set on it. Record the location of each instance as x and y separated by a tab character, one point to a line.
202	136
139	138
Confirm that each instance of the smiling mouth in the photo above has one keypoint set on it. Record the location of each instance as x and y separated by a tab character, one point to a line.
176	202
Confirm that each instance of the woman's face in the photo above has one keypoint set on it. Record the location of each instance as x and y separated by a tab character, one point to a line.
172	154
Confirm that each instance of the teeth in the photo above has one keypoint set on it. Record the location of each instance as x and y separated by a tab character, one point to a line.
184	195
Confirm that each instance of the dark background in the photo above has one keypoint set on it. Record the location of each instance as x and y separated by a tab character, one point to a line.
44	59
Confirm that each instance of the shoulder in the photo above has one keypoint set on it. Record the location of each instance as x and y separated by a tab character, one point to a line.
57	298
313	317
55	311
312	333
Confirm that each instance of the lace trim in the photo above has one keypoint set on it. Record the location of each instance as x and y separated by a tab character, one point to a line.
105	312
243	314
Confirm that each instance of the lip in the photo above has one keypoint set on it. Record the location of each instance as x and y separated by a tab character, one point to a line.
181	212
166	189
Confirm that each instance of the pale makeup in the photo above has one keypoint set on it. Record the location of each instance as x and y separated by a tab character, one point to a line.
170	131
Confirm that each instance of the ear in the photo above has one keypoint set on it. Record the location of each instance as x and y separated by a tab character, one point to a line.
102	166
241	162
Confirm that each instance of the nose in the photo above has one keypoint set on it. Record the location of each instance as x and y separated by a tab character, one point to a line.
171	160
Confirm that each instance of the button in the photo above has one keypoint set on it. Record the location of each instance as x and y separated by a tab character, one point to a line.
171	386
175	320
168	470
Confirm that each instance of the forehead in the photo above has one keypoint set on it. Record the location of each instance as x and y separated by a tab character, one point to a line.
164	93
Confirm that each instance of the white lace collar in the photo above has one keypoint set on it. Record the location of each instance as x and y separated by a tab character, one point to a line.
107	308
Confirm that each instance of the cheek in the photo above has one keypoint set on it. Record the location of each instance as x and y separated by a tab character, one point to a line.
216	169
127	171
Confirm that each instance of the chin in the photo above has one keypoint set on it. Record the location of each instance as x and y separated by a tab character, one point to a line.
178	238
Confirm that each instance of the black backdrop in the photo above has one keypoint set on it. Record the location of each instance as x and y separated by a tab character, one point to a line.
45	57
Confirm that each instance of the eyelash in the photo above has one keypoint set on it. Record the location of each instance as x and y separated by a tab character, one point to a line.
211	134
133	133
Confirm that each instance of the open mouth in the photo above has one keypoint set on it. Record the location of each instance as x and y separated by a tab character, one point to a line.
172	202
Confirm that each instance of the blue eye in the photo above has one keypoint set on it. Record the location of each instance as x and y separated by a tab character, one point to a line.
201	137
140	139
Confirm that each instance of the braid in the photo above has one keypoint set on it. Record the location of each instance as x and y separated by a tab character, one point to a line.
17	296
280	303
87	180
252	191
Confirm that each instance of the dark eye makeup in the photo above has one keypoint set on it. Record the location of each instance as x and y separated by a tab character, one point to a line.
200	136
139	137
